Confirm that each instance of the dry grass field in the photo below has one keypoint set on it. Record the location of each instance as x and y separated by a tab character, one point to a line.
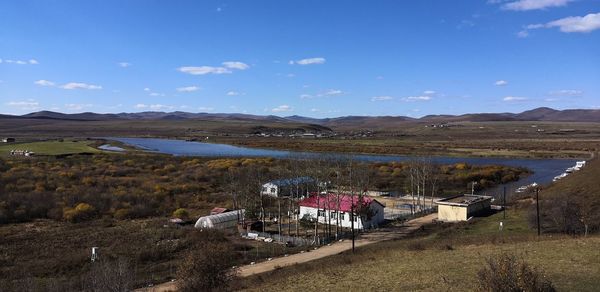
572	264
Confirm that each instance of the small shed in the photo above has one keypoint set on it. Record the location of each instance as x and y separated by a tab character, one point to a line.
219	210
220	221
462	207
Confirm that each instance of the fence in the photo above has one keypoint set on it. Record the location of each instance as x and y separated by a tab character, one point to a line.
393	214
263	236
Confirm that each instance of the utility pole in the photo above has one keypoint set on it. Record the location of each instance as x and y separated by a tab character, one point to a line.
504	203
473	183
537	208
352	222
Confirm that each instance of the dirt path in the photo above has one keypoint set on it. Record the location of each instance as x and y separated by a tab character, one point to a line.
325	251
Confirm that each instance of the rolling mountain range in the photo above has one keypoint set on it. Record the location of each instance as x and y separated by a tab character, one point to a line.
538	114
183	124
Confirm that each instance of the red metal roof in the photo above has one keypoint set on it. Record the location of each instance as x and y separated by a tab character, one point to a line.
218	210
330	201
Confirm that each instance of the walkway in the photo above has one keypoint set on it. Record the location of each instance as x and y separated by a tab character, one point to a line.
325	251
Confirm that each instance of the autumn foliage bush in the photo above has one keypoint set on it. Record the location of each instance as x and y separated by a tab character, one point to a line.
506	273
79	188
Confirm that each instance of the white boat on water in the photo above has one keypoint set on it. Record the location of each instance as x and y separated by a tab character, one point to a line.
560	176
524	188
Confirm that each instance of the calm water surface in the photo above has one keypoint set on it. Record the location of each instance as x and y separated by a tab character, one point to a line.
543	169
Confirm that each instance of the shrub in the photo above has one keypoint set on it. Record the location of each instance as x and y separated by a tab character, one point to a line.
506	273
181	213
81	212
207	268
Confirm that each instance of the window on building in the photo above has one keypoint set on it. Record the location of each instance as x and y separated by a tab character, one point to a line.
264	189
321	213
333	215
342	214
273	190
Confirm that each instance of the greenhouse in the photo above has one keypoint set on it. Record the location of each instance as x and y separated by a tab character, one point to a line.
220	221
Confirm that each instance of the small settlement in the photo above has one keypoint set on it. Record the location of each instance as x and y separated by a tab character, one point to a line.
334	206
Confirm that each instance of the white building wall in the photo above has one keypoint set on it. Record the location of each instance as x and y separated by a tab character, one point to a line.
375	221
270	189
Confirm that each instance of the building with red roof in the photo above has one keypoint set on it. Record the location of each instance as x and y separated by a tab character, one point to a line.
324	207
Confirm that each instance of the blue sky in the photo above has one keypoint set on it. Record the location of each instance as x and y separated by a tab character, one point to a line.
313	58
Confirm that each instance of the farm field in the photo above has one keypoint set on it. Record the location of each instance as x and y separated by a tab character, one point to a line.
51	147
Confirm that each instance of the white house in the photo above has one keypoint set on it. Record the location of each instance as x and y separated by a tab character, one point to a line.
339	207
290	187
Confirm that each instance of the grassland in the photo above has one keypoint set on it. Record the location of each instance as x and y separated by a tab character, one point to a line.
51	147
444	258
506	139
572	265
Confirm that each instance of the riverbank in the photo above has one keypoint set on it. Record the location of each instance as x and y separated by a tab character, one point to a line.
500	148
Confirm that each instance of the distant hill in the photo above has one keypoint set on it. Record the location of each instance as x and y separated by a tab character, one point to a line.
346	122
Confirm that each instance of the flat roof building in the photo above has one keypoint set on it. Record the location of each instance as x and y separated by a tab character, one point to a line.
462	207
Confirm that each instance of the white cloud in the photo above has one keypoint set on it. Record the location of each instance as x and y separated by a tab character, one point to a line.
188	89
156	94
124	64
44	83
581	24
417	98
309	61
146	89
153	106
29	104
567	92
203	70
525	5
523	34
315	110
79	85
77	106
326	93
233	93
429	92
586	23
501	83
206	109
20	62
235	65
331	92
381	98
282	108
514	98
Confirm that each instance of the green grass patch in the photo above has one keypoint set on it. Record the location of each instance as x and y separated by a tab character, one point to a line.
514	223
50	147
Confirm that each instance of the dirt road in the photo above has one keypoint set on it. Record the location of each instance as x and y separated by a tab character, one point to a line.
325	251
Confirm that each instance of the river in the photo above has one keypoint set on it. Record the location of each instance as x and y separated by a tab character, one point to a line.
544	170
